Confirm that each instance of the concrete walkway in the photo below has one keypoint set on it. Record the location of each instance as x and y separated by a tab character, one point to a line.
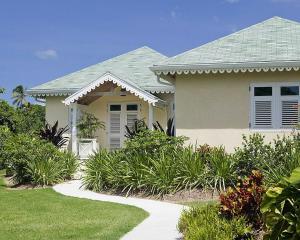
160	225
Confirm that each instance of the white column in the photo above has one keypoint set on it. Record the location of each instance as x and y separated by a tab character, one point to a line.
150	116
74	129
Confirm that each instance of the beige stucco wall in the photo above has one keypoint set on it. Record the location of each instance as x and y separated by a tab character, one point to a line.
215	108
56	110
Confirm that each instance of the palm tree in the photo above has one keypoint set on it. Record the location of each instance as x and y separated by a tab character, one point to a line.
19	96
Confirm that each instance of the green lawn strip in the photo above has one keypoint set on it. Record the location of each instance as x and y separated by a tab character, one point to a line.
44	214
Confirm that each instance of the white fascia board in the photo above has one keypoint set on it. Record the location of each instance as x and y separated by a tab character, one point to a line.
108	77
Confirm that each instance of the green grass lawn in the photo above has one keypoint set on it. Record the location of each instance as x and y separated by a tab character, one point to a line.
44	214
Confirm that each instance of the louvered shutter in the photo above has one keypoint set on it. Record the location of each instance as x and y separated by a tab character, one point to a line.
115	130
289	113
131	118
263	113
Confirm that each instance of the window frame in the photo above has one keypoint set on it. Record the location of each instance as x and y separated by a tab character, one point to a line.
123	119
276	100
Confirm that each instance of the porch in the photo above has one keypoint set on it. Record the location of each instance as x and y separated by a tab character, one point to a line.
117	104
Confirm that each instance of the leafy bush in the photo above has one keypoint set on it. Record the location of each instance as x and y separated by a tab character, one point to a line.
221	168
275	160
191	169
29	158
46	172
281	208
5	134
244	200
69	164
155	163
8	116
250	156
29	119
148	142
54	134
206	224
285	156
88	124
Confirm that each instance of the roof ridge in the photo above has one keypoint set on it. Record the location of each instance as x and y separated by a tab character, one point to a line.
228	36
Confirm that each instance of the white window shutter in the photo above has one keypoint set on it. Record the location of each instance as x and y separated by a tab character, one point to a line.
131	118
263	113
115	143
115	131
115	122
289	113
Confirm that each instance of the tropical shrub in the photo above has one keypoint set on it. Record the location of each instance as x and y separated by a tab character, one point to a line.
45	172
284	157
221	168
8	116
138	126
205	223
155	163
275	160
88	124
69	164
250	156
192	170
29	158
54	134
281	208
30	119
244	200
147	142
5	134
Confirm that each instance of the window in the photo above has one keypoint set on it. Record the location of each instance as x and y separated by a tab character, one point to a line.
132	107
116	107
275	105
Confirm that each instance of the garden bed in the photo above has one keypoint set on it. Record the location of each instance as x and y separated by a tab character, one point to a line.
181	197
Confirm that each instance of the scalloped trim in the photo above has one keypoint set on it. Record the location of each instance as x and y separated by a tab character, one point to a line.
161	91
108	77
229	70
49	94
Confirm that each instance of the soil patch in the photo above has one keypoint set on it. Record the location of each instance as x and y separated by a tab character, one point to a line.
10	185
183	196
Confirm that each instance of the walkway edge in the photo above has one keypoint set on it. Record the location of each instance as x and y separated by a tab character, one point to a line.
160	225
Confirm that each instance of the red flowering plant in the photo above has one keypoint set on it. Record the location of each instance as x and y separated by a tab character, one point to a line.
244	199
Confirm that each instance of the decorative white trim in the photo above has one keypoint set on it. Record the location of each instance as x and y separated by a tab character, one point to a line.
202	69
158	91
56	94
108	77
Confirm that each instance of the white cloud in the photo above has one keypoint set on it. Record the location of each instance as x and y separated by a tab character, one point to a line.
46	54
232	1
173	14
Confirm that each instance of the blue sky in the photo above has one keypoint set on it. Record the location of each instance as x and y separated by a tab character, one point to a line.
44	39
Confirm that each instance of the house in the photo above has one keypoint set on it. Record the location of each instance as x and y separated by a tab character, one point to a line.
242	83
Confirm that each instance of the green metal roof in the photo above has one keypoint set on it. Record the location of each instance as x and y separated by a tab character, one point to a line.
273	42
132	67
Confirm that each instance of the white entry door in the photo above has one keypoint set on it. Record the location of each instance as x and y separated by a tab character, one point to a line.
121	115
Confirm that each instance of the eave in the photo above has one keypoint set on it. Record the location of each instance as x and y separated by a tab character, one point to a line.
226	67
